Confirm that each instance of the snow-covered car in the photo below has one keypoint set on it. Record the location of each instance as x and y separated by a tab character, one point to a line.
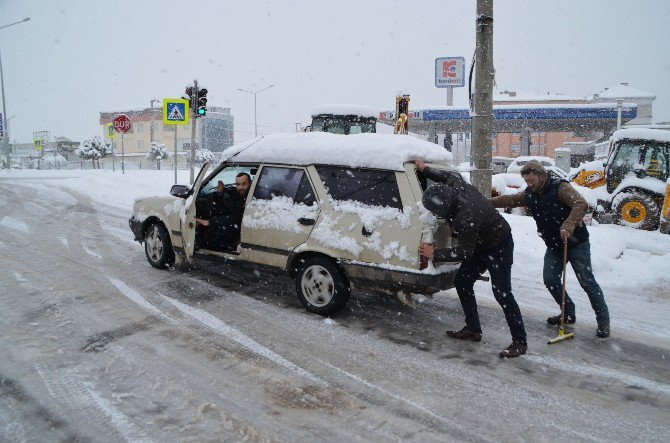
332	211
518	162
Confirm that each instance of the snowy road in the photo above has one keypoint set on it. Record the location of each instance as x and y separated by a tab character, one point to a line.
97	345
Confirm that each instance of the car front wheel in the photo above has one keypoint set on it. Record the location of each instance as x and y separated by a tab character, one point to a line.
158	247
322	286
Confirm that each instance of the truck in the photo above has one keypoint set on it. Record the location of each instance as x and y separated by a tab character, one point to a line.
637	173
344	119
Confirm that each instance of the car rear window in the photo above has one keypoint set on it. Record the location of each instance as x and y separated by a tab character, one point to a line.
370	187
284	182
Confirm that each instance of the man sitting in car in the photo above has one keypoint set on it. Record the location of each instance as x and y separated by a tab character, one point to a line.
226	214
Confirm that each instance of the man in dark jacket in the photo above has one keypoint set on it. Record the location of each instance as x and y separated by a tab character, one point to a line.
558	210
484	242
227	211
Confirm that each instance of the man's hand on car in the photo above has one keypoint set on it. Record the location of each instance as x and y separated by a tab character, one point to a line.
420	165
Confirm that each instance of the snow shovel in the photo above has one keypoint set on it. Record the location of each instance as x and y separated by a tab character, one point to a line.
561	331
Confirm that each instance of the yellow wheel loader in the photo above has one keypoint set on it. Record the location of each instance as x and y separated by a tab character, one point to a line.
636	174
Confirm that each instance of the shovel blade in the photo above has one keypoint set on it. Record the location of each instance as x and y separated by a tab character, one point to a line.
560	338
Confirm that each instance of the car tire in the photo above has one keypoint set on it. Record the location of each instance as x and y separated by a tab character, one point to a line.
637	210
322	286
158	247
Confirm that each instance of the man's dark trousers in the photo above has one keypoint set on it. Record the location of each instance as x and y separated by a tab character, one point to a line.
498	260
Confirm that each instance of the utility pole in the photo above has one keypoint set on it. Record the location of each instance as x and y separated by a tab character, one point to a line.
482	119
194	121
5	131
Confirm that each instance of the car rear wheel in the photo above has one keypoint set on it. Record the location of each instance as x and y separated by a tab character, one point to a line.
637	210
158	247
322	286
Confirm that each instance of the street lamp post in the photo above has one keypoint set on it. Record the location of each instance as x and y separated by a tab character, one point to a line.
255	94
5	131
151	127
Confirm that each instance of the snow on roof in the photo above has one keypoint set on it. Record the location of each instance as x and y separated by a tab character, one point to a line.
379	151
506	96
533	157
660	135
622	90
342	109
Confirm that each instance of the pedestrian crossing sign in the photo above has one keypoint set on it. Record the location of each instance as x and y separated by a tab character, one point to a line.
175	111
38	144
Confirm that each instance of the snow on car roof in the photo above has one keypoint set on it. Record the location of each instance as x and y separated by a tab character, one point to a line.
379	151
660	135
342	109
533	157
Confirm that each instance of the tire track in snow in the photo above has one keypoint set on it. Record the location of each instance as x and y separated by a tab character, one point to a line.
241	339
599	371
217	325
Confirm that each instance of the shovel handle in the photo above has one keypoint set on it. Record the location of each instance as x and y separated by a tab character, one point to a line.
565	261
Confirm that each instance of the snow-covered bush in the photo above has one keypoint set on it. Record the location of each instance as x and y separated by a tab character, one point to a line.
158	151
94	149
52	160
203	155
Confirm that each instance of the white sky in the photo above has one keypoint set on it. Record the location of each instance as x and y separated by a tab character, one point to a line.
74	59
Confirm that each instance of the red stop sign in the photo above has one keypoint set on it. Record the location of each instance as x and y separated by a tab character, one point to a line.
122	123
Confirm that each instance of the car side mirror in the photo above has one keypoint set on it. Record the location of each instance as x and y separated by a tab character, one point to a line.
180	191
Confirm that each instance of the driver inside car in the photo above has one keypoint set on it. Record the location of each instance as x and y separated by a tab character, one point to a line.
226	215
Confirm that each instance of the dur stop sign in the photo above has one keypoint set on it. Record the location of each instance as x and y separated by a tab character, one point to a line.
122	123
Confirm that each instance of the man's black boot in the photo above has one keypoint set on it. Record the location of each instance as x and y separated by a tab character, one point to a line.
556	320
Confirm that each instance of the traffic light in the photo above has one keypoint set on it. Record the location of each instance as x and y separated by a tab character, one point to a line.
189	96
202	102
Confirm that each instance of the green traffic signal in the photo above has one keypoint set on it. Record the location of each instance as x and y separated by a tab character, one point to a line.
202	110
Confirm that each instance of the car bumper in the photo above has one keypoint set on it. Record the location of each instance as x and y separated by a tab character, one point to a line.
373	277
136	227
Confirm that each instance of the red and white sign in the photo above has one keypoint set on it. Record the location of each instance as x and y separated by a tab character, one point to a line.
449	72
122	123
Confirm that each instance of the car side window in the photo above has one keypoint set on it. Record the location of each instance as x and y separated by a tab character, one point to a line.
284	182
371	187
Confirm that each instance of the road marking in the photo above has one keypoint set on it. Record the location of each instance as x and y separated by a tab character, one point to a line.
19	278
390	394
119	420
241	339
13	223
90	252
599	371
135	296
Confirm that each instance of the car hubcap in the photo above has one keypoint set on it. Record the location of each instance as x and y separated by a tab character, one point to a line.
318	285
633	212
154	245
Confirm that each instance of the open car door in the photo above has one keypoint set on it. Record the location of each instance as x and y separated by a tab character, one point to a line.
188	214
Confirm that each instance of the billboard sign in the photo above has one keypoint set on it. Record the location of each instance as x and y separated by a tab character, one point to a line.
449	72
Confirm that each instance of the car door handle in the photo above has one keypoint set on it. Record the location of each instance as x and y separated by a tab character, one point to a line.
365	232
306	221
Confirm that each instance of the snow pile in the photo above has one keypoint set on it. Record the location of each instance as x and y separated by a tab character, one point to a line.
659	135
280	213
379	151
325	234
506	183
370	215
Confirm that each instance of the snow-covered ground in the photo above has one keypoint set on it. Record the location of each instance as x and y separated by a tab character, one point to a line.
631	265
97	345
